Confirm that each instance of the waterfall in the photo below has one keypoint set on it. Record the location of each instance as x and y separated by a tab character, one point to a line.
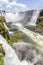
14	17
34	18
6	26
19	16
2	13
10	32
10	55
35	38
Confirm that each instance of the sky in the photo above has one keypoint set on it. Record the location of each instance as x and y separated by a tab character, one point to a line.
20	5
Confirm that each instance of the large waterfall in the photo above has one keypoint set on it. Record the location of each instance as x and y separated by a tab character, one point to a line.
14	17
34	38
34	18
22	17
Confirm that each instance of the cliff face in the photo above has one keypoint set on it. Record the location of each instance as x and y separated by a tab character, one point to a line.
41	13
3	32
23	17
40	19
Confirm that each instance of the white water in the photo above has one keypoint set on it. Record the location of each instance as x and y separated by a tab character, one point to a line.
17	16
34	18
2	13
10	32
11	17
10	55
6	26
35	38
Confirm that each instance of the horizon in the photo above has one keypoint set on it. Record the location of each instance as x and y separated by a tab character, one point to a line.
20	11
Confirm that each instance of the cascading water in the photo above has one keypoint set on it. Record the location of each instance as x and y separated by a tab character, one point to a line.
19	16
35	38
10	32
10	55
13	17
2	13
6	27
34	18
22	63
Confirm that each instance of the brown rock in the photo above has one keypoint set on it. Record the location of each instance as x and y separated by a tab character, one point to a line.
2	50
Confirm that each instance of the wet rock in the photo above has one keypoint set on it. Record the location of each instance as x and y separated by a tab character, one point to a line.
36	29
2	51
25	52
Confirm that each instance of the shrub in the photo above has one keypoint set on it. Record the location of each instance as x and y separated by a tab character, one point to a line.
40	21
3	31
17	37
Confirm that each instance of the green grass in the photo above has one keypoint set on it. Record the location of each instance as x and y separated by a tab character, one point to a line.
1	59
41	17
15	38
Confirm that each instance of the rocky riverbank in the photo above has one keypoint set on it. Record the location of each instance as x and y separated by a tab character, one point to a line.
36	29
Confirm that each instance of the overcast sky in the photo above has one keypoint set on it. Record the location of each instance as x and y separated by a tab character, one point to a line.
20	5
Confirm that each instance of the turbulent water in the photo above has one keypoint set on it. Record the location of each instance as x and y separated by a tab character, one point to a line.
6	27
34	18
14	17
12	59
10	55
34	38
22	17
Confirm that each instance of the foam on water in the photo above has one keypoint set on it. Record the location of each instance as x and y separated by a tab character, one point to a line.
11	17
10	55
34	18
6	27
35	38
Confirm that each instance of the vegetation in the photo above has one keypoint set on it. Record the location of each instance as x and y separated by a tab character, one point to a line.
16	37
10	39
1	59
40	21
3	31
40	24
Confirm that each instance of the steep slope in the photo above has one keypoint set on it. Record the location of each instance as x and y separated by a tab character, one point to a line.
3	31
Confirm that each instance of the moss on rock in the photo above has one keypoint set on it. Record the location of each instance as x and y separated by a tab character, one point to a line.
3	31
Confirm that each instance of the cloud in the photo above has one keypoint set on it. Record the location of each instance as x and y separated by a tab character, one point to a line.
17	6
13	5
4	1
